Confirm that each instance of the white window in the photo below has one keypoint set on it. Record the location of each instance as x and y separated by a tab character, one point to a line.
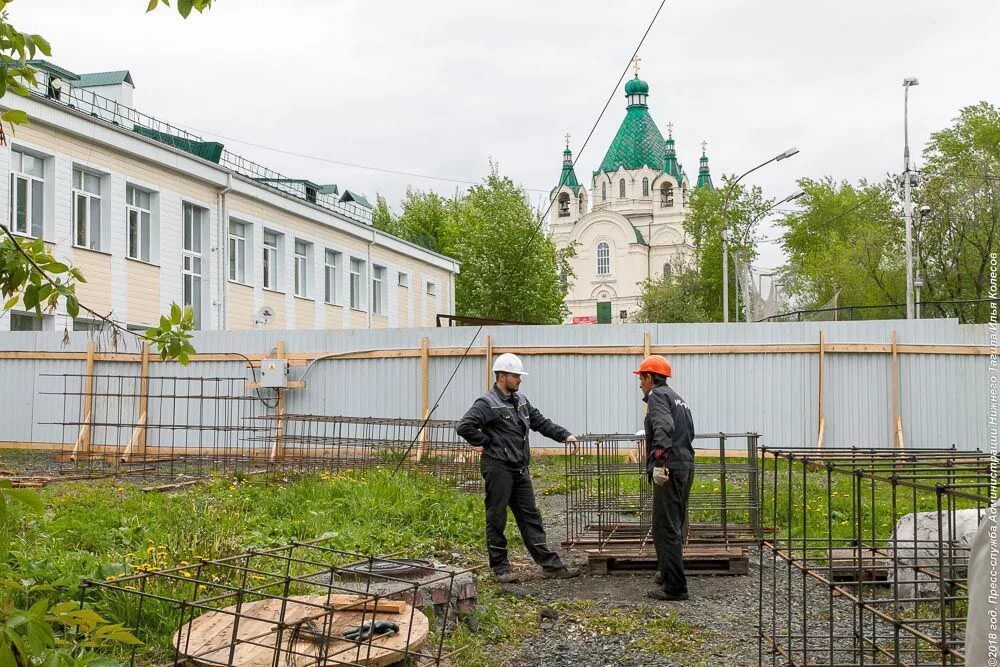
138	217
432	288
357	284
378	290
270	260
25	322
604	191
403	279
86	209
666	268
331	283
302	268
27	193
238	252
191	258
621	188
603	259
645	187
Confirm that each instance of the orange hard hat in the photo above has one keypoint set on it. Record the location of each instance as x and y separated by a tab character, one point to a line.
654	363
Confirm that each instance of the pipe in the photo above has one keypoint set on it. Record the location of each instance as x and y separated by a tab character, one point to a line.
223	246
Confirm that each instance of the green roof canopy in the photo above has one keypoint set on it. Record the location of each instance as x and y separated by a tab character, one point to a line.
638	142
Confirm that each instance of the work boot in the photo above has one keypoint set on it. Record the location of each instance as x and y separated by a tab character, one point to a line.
660	594
658	578
506	577
561	572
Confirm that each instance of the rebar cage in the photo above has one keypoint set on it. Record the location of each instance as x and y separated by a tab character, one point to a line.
609	498
291	605
867	563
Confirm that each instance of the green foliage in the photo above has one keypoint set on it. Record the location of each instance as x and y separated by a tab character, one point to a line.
846	239
961	186
738	209
673	298
172	337
184	7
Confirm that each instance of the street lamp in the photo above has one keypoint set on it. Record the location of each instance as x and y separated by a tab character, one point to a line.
725	236
918	282
908	83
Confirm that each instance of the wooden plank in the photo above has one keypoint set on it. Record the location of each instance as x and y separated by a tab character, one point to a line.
647	343
137	443
82	445
425	394
821	417
292	384
489	362
897	423
279	429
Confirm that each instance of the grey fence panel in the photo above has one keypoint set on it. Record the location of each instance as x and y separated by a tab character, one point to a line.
943	398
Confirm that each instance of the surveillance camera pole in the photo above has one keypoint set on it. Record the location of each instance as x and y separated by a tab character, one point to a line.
907	203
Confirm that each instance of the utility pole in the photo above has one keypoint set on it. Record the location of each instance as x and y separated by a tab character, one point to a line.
907	203
726	234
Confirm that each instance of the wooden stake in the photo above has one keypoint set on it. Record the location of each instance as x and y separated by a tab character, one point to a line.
278	452
137	443
489	363
821	427
87	408
647	343
425	392
897	422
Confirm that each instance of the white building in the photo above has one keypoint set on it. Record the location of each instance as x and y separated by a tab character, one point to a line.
634	228
153	215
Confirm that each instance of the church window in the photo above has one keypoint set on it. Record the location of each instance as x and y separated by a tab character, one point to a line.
666	195
604	191
666	268
684	196
621	188
645	187
583	204
563	205
603	259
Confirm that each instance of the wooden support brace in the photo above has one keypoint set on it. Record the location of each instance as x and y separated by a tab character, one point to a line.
137	443
82	445
278	451
897	421
489	363
292	384
821	426
425	395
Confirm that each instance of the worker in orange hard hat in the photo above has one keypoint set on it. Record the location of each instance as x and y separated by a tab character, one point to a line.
670	466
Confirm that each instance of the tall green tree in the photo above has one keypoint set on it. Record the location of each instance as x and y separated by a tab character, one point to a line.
672	298
960	229
846	239
738	209
511	269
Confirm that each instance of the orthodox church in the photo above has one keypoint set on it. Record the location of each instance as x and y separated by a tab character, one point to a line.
633	230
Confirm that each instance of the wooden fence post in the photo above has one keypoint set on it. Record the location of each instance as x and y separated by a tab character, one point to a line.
489	363
87	408
278	451
821	429
897	420
137	443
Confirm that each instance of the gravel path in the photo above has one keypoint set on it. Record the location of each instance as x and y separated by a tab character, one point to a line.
719	621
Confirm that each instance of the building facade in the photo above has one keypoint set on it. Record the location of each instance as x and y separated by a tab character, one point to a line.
632	230
153	215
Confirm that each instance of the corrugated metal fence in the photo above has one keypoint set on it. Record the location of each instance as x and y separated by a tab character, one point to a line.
737	377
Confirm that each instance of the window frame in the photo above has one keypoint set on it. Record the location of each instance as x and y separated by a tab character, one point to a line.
605	260
356	283
645	186
193	259
332	270
301	268
666	195
30	181
237	270
403	280
143	220
92	240
621	188
379	289
270	261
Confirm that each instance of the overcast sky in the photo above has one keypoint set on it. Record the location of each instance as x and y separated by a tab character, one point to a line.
439	87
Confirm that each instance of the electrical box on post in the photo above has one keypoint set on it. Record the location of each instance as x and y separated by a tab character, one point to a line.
274	373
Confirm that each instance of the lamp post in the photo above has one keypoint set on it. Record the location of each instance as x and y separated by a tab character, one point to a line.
918	282
725	236
908	82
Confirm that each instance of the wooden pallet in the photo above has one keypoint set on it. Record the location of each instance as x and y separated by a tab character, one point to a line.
698	559
844	565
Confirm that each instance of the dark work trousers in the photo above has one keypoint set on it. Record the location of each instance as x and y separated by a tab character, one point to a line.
511	487
670	504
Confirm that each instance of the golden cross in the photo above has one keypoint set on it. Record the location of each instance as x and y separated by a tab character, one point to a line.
567	141
635	65
670	130
704	147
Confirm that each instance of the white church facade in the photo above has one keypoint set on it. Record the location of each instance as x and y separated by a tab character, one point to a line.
629	227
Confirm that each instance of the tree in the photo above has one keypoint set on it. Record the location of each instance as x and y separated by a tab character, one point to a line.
428	220
29	275
511	270
847	239
737	209
961	189
673	298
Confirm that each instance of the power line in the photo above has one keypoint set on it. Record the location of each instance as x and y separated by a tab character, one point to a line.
534	233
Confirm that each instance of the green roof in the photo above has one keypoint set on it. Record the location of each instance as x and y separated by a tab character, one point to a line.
568	176
638	235
670	164
95	79
704	176
352	196
636	87
638	142
206	150
46	66
330	189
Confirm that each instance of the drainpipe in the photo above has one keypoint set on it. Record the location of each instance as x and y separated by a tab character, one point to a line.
223	247
370	275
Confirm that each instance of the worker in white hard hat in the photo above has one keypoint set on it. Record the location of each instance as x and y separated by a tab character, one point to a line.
498	424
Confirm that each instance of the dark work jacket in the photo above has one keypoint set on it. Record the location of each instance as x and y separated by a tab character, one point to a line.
669	430
494	424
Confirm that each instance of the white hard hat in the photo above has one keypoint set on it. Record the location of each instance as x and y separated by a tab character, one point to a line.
508	363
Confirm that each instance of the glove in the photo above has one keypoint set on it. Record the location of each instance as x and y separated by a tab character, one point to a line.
660	475
366	630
